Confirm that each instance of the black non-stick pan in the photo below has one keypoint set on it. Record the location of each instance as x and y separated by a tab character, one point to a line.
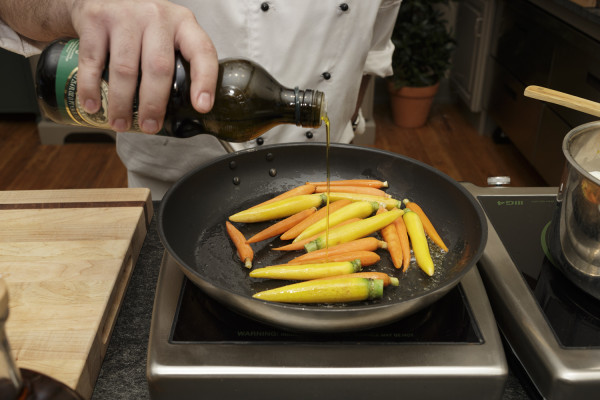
192	227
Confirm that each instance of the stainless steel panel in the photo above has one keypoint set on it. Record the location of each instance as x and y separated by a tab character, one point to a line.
322	371
559	373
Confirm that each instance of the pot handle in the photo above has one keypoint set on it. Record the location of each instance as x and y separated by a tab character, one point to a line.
563	183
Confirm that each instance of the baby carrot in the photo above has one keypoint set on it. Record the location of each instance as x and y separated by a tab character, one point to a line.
298	190
353	189
322	213
305	272
390	235
387	280
354	230
418	240
299	245
366	244
353	182
281	226
279	209
244	250
387	201
331	290
366	258
427	225
358	209
403	237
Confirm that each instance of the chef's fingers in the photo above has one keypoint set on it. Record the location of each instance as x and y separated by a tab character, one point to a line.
197	48
157	64
123	73
93	49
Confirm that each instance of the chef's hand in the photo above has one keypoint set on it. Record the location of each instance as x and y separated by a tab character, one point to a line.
140	33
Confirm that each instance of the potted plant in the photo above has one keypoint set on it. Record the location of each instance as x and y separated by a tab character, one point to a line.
422	56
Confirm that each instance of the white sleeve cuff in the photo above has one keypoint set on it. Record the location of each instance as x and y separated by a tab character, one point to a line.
12	41
379	62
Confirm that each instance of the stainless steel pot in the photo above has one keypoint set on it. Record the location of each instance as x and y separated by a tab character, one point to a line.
579	196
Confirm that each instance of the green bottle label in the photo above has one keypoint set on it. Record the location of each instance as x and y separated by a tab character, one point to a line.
66	90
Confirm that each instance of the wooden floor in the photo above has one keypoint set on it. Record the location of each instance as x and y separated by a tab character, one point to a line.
447	143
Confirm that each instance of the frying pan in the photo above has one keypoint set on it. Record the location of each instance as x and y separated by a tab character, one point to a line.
192	218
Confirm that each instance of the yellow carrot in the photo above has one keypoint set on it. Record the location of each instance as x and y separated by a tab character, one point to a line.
281	226
244	250
427	225
387	201
353	182
404	243
355	230
304	272
354	189
420	247
322	213
299	245
279	209
387	280
390	235
332	290
298	190
358	209
366	258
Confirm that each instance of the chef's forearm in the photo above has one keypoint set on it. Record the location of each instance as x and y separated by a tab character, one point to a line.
39	20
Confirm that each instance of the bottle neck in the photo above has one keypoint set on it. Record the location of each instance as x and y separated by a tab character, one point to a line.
304	107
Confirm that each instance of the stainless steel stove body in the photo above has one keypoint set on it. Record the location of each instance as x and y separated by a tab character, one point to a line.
198	349
551	326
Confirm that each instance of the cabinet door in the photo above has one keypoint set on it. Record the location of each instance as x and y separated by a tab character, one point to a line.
472	31
468	19
549	159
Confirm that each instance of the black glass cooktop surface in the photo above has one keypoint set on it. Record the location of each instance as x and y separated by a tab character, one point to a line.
202	319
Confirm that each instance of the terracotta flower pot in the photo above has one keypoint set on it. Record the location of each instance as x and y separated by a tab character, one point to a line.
411	105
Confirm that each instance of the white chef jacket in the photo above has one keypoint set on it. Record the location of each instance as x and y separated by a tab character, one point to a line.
325	45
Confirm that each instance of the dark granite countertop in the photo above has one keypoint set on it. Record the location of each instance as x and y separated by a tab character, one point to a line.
123	372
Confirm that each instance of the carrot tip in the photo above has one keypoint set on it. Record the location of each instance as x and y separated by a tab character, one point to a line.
248	263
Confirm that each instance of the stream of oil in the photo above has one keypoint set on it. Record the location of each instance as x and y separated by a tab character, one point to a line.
325	119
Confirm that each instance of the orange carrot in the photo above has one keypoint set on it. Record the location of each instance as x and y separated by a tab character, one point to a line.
322	213
244	250
363	244
366	258
354	189
298	190
281	226
387	280
390	235
427	225
299	245
403	237
353	182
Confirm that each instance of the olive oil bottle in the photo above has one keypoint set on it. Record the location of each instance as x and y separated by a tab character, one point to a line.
248	100
25	384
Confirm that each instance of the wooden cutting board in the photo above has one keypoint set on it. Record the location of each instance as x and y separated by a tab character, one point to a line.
67	256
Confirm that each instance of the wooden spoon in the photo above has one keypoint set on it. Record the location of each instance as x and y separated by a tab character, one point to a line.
563	99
